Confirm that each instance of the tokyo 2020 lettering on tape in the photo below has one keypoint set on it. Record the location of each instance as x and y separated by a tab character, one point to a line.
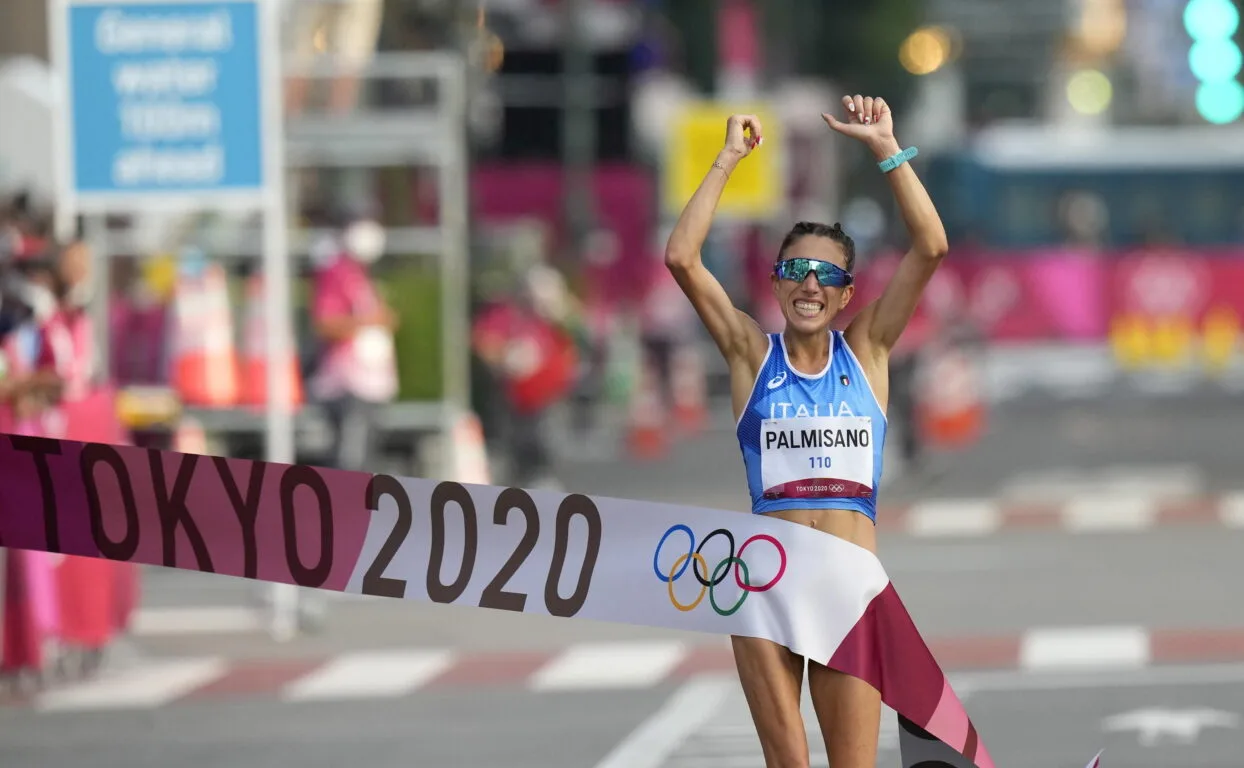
564	555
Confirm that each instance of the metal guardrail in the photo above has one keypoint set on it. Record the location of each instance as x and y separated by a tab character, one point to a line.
244	241
394	417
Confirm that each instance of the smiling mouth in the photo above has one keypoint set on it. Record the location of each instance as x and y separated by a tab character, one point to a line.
808	308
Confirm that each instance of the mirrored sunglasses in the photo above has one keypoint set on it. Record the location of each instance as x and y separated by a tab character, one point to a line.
828	274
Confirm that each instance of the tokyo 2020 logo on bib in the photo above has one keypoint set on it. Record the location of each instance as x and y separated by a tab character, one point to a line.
710	580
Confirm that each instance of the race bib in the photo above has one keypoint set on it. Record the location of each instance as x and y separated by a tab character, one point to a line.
817	457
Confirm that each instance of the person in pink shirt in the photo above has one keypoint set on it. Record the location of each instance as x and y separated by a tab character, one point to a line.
356	369
29	301
67	345
49	354
523	340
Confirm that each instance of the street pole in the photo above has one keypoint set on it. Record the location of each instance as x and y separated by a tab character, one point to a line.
578	128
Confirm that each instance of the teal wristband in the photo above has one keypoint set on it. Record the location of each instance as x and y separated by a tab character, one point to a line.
897	159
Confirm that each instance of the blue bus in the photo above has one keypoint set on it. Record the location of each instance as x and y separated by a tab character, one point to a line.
1008	186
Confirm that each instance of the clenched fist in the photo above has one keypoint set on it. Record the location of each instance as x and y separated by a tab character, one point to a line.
743	134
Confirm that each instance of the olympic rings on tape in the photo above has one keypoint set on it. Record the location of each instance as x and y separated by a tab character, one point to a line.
709	581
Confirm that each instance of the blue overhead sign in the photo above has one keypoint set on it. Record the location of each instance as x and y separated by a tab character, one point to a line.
164	98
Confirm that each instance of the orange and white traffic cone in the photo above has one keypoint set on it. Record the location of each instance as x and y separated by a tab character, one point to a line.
690	388
255	352
646	438
952	411
190	437
470	451
204	361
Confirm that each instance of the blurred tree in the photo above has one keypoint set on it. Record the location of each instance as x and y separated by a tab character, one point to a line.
852	44
696	23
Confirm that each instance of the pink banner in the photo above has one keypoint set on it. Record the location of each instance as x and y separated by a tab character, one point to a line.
624	200
1174	283
133	504
1066	294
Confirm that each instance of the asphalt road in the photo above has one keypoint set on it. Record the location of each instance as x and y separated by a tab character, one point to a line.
1187	717
573	730
1025	720
1002	583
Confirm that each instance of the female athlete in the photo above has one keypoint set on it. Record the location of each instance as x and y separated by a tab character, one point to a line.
810	404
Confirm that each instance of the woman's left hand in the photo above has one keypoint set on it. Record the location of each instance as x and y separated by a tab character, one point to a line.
868	119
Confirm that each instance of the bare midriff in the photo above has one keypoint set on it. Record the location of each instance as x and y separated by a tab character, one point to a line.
844	523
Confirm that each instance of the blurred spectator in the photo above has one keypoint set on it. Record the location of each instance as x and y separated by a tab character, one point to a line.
348	30
356	369
666	320
138	313
66	342
597	316
905	365
524	341
31	383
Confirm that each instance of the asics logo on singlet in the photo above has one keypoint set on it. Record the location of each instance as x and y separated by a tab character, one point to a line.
777	381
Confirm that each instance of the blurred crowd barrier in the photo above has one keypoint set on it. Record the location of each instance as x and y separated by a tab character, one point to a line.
1166	308
60	613
1153	305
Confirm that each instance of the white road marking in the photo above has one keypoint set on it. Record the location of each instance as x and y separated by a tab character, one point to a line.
1147	677
609	665
951	517
142	688
369	675
208	620
1110	513
1231	510
683	713
1080	647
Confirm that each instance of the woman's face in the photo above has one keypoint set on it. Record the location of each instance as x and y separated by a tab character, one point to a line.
808	306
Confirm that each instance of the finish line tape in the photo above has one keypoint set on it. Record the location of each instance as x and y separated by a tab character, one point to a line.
567	555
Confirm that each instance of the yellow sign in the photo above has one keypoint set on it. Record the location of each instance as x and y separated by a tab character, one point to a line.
1172	342
757	186
1222	337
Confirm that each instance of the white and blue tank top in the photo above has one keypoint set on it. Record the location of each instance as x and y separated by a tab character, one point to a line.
812	441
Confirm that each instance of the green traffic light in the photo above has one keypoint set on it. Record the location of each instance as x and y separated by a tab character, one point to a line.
1220	102
1214	60
1211	19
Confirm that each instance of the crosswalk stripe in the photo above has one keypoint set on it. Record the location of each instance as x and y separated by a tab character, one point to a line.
373	674
146	687
1231	510
196	621
1110	513
953	518
609	665
1095	647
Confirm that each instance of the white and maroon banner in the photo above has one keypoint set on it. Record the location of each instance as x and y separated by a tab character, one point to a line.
572	556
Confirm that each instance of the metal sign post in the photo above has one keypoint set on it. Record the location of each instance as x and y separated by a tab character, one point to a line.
173	106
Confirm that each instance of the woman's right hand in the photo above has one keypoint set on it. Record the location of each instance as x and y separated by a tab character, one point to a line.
739	143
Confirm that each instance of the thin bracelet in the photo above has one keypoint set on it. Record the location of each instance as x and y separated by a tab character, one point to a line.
717	164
